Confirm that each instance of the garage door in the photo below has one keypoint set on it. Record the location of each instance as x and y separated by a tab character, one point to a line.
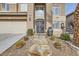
13	27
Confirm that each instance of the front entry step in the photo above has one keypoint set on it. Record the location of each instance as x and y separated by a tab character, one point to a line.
40	35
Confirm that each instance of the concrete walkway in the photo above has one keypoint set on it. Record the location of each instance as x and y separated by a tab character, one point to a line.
7	40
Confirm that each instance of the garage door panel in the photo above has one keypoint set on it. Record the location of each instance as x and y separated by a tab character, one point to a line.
13	27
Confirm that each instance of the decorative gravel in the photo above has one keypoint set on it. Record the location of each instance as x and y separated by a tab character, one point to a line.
13	51
66	50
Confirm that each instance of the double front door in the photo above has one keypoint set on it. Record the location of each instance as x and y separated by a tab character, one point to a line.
40	26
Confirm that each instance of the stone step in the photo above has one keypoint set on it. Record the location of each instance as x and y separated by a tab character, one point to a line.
40	35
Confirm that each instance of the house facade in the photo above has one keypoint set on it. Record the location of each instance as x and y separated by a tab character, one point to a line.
69	23
17	18
44	15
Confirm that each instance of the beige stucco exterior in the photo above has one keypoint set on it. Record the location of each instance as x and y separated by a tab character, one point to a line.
27	19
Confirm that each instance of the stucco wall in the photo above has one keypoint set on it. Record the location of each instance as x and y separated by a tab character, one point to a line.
13	27
57	32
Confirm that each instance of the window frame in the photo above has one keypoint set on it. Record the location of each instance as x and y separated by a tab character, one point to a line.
38	11
54	10
5	7
20	7
57	24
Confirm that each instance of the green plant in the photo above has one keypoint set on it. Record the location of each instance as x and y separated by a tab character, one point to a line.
19	44
57	45
65	36
52	37
30	32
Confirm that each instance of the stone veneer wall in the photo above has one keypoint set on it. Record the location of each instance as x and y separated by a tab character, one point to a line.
76	26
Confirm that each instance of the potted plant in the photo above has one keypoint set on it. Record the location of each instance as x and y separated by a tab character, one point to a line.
52	37
19	44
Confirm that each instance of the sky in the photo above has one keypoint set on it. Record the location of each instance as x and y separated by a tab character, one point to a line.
70	7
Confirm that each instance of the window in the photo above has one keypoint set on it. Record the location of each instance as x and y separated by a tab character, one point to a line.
57	24
23	7
39	11
56	10
5	7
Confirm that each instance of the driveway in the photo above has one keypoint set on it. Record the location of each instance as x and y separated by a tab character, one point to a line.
7	40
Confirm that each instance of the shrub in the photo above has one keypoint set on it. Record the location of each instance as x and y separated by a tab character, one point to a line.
65	36
46	52
19	44
52	37
26	38
35	53
57	45
30	32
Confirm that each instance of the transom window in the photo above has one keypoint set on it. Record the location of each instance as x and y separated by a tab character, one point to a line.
56	10
57	24
39	11
5	7
23	7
